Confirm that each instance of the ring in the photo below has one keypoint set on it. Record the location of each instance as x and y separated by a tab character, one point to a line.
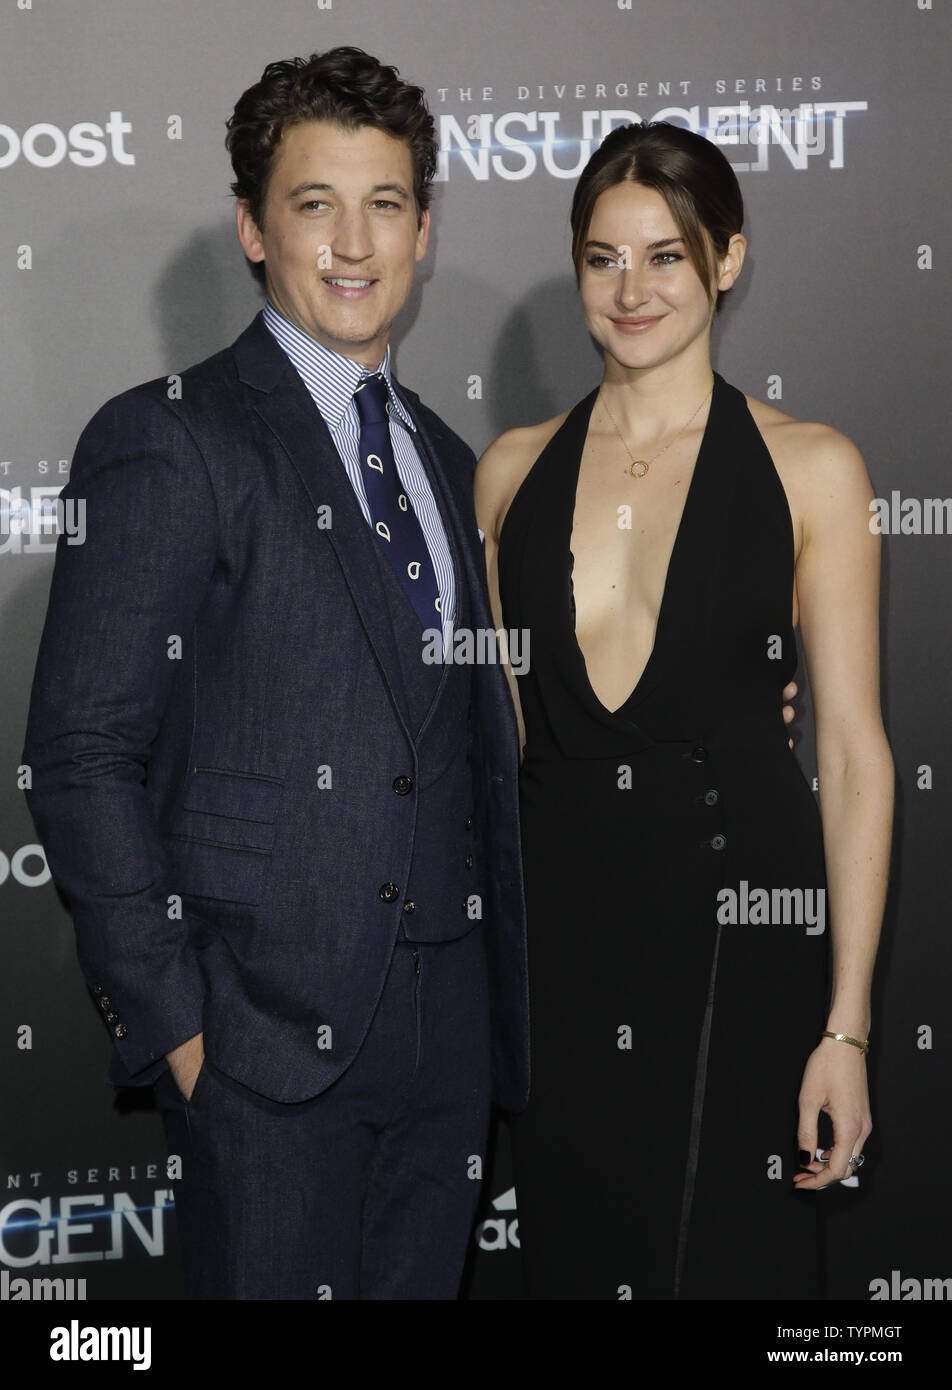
856	1161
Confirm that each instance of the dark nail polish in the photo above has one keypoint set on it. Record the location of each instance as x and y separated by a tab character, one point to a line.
804	1158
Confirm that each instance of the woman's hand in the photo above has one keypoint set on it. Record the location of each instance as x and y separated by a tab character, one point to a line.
787	710
834	1080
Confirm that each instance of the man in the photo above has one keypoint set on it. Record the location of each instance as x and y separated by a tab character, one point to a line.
288	842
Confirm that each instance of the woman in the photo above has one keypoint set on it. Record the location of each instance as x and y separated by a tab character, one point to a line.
661	541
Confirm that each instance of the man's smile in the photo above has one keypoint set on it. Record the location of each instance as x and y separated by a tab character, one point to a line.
348	287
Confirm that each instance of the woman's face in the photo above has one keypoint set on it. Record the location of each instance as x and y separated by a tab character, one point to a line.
642	299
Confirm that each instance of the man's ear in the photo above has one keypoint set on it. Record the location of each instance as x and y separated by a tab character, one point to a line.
423	235
249	233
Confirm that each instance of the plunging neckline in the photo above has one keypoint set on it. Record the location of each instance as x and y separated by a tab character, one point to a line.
672	557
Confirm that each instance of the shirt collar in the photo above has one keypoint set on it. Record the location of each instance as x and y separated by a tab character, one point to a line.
330	377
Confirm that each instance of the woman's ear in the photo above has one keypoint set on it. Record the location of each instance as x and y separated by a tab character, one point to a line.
729	265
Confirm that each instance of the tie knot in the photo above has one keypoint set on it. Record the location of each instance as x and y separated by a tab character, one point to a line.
372	399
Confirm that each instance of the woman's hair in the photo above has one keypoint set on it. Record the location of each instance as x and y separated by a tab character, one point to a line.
344	86
692	176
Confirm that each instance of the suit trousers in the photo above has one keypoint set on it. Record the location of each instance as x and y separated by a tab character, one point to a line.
366	1191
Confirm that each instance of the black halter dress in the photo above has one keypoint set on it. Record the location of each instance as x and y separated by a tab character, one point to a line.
676	903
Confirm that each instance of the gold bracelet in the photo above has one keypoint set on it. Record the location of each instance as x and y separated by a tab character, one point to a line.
845	1037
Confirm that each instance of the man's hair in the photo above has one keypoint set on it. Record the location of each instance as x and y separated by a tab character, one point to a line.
692	175
346	87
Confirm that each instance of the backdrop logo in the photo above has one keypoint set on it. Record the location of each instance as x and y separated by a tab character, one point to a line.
84	144
515	144
500	1232
19	868
80	1228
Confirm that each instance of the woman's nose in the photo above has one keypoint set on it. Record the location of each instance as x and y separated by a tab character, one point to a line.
632	290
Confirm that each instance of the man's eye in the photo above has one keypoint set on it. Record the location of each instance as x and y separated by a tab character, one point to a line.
384	203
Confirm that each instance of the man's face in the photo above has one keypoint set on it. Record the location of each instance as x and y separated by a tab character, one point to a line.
340	236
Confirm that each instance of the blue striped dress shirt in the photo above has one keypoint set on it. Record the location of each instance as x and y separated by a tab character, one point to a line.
332	380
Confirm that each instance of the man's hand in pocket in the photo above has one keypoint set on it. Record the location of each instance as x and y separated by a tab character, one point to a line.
186	1062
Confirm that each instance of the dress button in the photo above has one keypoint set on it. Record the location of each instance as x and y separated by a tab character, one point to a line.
469	861
97	989
389	892
712	797
699	754
105	1002
112	1017
719	842
121	1030
409	907
402	785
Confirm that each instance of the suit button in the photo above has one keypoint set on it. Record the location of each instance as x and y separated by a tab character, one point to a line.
469	823
699	754
409	907
465	905
389	892
105	1002
712	797
402	785
719	842
120	1030
469	861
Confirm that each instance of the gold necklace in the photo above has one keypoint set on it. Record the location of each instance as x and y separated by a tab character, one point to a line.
639	467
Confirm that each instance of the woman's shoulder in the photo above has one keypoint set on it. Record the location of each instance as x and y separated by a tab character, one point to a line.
805	446
820	467
525	441
804	439
502	469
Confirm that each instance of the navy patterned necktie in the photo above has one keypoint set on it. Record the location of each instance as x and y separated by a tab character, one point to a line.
392	515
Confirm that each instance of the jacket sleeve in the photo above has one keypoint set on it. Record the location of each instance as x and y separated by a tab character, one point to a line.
103	678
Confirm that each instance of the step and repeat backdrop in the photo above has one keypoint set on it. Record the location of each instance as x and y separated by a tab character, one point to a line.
119	263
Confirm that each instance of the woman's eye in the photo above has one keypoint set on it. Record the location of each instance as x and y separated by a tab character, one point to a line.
668	257
599	262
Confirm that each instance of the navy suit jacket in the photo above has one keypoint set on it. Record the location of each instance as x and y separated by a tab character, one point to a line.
213	648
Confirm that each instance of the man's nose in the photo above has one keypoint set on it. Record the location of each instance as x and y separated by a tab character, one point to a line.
352	239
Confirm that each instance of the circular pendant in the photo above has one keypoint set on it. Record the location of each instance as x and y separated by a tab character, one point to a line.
637	468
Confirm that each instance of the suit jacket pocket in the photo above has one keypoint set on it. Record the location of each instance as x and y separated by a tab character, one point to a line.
221	834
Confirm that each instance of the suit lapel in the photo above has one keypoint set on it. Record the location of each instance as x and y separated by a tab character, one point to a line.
283	403
281	400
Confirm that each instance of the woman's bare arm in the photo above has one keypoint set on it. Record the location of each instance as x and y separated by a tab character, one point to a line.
838	589
498	474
